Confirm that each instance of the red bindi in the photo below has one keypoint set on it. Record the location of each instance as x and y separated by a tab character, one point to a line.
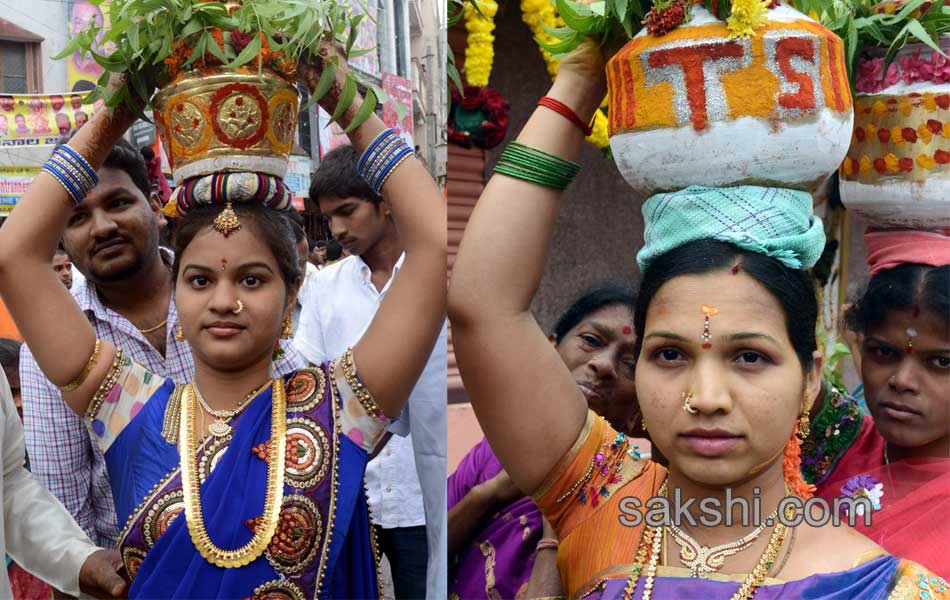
627	330
916	311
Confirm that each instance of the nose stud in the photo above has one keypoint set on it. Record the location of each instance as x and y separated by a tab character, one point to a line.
687	398
239	309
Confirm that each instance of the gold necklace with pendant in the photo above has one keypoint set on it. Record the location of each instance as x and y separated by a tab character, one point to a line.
277	450
702	560
219	427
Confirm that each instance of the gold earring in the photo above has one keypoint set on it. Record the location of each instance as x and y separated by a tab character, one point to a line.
643	422
287	331
804	422
179	334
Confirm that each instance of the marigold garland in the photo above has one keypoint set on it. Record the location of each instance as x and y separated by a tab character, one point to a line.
536	13
480	51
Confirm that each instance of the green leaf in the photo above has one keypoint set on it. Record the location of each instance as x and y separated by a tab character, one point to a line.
249	52
576	16
366	109
194	26
326	80
354	33
71	46
563	46
346	98
917	30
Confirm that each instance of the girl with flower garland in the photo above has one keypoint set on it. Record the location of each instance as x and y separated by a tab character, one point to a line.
238	484
900	458
728	369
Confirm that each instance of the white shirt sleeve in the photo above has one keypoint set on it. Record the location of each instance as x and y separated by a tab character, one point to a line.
39	534
309	339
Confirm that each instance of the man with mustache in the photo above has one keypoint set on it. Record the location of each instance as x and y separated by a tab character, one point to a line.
113	239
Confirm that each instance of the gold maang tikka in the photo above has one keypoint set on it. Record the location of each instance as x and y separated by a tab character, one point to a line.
226	222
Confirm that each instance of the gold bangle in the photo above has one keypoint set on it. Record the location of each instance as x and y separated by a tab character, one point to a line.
111	378
362	394
90	365
393	169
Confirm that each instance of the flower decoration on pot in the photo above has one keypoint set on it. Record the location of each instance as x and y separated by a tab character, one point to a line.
897	169
478	118
717	93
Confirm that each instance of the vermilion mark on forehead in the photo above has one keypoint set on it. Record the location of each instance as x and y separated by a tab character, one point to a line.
736	268
627	330
915	311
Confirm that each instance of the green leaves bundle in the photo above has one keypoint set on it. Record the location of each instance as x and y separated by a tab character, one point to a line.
153	42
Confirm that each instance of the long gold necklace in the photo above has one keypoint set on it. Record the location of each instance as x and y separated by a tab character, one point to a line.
653	536
703	560
219	427
277	448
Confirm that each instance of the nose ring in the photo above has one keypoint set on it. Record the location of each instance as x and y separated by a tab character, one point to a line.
239	309
687	398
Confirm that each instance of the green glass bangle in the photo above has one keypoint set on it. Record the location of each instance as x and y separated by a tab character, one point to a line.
532	177
553	179
521	146
521	157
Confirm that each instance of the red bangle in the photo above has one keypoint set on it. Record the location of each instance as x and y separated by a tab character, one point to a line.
563	110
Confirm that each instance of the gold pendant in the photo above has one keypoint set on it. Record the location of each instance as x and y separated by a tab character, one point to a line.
219	428
227	221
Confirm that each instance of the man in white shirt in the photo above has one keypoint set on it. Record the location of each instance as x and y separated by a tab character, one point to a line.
340	304
399	517
36	530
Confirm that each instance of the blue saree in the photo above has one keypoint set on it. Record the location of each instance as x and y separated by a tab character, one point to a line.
323	547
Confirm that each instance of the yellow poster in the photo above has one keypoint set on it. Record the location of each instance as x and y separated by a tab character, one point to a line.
40	119
14	182
82	71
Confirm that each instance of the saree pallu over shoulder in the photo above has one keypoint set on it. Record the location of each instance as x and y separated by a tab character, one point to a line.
323	525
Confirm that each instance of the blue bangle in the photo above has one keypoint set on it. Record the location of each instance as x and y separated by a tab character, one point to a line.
392	164
70	189
373	160
69	173
372	147
394	147
81	162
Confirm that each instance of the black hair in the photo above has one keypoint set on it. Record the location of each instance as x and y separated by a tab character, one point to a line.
147	152
320	244
124	157
594	299
10	353
296	223
337	176
793	288
901	288
334	250
271	225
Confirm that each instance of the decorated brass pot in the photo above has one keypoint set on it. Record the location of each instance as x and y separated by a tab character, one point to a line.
897	172
696	107
218	120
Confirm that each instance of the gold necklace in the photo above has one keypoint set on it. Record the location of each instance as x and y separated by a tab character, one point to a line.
703	560
219	427
154	329
277	448
653	536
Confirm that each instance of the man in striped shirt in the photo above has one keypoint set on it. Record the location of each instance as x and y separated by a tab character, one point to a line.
113	239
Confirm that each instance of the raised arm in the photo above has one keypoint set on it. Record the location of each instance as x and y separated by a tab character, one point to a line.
394	350
521	391
59	335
